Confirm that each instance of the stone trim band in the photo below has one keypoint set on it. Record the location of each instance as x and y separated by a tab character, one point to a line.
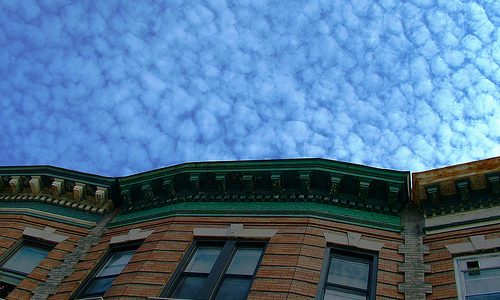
235	231
47	234
477	243
352	239
132	236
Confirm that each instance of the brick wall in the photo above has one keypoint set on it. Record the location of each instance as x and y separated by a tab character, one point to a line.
290	268
12	231
442	276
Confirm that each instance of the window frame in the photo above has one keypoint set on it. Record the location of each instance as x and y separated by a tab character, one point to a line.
355	255
459	278
90	278
219	269
18	246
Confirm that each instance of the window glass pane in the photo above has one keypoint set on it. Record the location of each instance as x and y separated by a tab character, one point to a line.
99	286
244	261
494	296
483	281
203	259
189	286
339	295
349	273
26	259
116	263
234	288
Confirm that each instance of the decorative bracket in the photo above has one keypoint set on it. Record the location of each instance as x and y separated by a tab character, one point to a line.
335	180
195	182
147	192
463	187
101	195
168	186
127	197
364	185
392	194
79	191
494	181
276	181
221	182
248	181
433	193
305	181
36	184
57	186
15	184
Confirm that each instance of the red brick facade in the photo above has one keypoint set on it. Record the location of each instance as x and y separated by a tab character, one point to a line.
290	268
12	232
442	275
415	240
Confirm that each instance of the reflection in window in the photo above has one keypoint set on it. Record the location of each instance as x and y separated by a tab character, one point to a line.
218	271
26	259
238	278
479	277
197	271
19	264
102	281
348	275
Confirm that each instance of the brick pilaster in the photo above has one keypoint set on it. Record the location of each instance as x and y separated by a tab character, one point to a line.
56	275
414	269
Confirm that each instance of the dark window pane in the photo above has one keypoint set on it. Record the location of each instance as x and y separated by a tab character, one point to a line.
99	286
26	259
189	286
5	289
234	289
203	259
245	261
349	273
116	263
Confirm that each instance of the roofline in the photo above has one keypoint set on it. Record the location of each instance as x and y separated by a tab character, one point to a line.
48	170
472	162
294	164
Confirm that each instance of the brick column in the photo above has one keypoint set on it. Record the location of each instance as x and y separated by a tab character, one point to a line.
414	269
56	275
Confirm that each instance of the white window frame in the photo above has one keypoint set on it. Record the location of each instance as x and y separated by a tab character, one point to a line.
459	264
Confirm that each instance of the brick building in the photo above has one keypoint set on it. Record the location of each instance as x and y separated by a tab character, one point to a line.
277	229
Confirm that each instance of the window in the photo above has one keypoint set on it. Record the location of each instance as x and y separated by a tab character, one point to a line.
478	277
101	281
349	275
19	262
219	271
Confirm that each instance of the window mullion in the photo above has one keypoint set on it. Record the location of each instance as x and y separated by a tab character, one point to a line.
218	270
346	287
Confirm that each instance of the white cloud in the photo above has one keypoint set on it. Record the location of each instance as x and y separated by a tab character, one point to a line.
122	88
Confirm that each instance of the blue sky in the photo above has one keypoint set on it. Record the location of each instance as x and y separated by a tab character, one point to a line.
119	87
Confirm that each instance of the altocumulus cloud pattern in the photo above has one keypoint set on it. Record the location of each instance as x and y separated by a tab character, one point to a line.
118	87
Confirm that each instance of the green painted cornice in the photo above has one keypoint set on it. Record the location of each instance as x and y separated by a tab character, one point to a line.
248	166
346	184
326	183
264	209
